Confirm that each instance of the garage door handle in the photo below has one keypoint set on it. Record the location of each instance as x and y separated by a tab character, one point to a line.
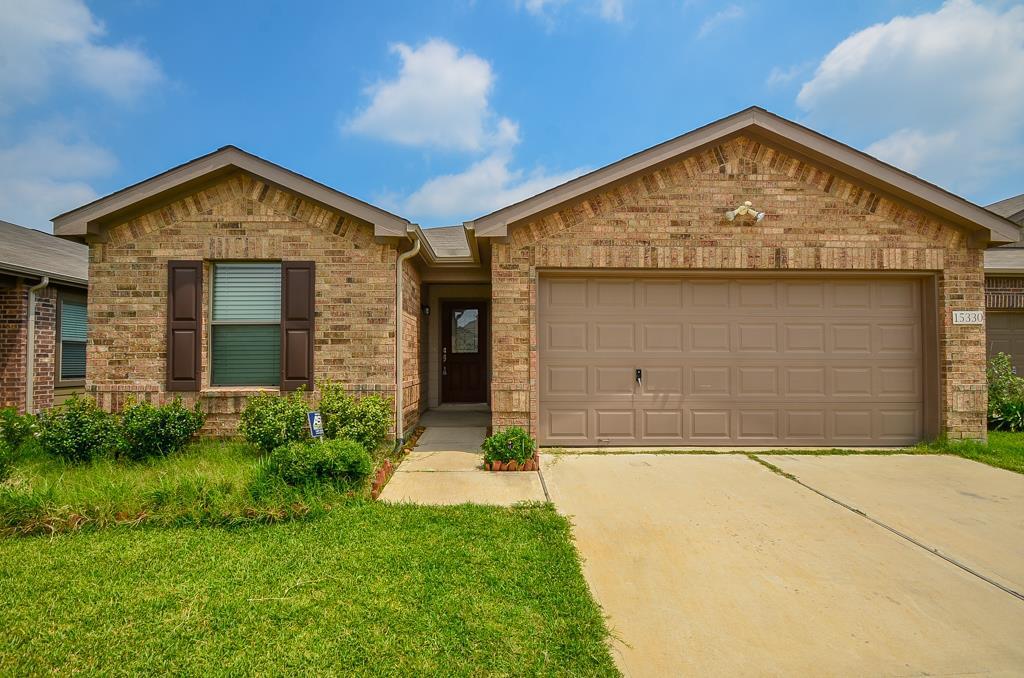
639	376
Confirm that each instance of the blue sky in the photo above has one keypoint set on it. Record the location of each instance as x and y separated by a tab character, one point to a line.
442	111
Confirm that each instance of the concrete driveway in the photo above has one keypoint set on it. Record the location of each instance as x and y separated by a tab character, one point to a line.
715	565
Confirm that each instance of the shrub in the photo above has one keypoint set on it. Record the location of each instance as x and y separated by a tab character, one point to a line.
15	428
151	431
6	459
511	444
1005	395
366	420
338	462
78	430
269	420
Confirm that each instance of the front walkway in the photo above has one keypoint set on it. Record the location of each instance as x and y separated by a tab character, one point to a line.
446	466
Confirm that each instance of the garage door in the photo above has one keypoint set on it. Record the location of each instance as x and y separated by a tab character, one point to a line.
1006	335
752	361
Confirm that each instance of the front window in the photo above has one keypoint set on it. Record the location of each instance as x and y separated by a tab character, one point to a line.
245	340
72	337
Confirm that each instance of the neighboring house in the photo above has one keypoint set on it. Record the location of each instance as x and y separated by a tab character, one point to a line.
49	275
1004	289
624	307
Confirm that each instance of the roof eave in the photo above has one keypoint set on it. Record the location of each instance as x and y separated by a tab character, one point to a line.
759	122
86	220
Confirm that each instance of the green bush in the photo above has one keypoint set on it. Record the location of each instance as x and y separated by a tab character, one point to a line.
1005	395
78	430
366	420
151	431
6	459
338	462
16	428
511	444
269	420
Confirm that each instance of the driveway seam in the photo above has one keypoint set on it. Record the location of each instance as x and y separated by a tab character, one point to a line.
934	551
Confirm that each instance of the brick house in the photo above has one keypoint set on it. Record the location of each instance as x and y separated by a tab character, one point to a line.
1004	289
748	282
48	275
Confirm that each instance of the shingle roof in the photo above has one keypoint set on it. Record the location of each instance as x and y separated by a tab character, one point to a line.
448	241
1011	208
28	251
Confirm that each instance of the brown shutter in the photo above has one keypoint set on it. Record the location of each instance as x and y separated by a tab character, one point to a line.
298	280
184	316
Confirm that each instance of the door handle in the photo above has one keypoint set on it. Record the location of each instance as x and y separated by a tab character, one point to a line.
639	376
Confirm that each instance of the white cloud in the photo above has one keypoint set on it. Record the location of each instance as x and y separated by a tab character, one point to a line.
783	76
46	174
438	99
485	186
612	11
942	93
43	41
723	16
441	99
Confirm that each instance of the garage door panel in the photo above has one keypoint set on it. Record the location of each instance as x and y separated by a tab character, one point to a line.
659	337
617	380
565	380
771	361
566	337
754	382
662	425
612	424
710	424
757	424
756	337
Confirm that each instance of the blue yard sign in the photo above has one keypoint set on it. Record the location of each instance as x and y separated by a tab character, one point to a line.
316	424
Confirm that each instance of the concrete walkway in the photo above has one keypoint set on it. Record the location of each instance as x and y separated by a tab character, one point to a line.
446	466
713	565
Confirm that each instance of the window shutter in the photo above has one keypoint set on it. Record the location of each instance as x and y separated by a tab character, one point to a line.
297	299
184	315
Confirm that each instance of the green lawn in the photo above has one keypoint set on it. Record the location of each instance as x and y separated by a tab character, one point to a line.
207	483
369	589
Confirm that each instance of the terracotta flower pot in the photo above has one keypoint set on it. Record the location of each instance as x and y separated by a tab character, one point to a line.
513	465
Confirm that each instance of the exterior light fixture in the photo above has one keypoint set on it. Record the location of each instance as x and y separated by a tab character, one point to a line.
425	309
743	210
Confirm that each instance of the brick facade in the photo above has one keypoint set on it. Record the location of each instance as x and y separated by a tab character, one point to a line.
239	218
13	342
414	365
1004	293
671	218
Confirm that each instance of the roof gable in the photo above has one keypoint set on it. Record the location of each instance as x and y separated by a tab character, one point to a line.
89	218
759	123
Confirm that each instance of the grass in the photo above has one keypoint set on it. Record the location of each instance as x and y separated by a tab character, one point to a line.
207	483
1003	450
370	589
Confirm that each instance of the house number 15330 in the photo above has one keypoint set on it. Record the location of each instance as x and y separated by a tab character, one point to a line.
968	317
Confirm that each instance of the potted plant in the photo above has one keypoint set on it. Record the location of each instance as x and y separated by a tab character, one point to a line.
511	450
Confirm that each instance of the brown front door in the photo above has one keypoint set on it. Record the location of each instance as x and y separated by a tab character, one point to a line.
464	352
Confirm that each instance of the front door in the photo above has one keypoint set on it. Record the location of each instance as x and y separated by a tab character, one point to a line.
464	352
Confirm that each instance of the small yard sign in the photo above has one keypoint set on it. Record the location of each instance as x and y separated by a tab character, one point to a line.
968	317
316	425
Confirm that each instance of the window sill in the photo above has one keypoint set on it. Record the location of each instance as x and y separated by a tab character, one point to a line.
238	390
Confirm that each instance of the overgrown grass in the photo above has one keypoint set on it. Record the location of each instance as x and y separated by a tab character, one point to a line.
370	589
1003	449
208	483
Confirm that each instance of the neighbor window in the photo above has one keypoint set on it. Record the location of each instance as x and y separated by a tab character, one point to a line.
245	320
72	337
